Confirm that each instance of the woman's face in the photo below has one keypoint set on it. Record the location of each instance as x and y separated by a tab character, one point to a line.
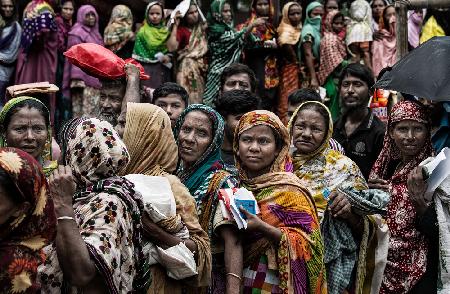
27	131
409	137
331	5
318	11
7	8
192	15
67	10
155	14
262	8
308	131
295	15
90	19
338	24
226	13
257	150
389	15
196	134
377	8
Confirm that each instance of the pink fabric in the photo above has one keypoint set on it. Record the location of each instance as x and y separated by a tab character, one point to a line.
414	27
384	51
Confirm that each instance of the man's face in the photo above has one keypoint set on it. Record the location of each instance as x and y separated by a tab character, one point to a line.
239	81
231	122
173	105
291	109
7	8
354	93
110	102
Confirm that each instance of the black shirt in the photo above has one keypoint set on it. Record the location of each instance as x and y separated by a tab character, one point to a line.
228	157
364	145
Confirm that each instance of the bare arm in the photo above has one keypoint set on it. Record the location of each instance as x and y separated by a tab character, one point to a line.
132	93
172	42
309	59
233	257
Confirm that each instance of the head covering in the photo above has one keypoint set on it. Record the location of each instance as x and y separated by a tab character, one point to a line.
288	34
404	110
285	204
360	28
22	237
148	135
332	49
46	157
151	39
119	29
264	32
311	27
216	26
85	33
415	22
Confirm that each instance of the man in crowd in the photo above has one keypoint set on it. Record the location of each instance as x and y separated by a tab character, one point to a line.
300	96
173	98
237	76
358	129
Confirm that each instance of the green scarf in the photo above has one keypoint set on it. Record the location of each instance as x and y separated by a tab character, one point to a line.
312	27
216	26
151	38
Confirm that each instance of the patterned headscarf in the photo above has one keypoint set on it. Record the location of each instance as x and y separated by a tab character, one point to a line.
216	26
264	32
119	29
23	237
288	34
405	110
37	16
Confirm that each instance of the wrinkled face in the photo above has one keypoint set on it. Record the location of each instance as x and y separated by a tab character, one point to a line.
227	15
354	93
27	131
155	14
257	149
409	136
110	102
67	10
338	24
318	11
377	8
389	15
173	105
262	8
192	15
308	131
7	8
231	122
7	207
295	15
331	5
90	19
196	134
239	81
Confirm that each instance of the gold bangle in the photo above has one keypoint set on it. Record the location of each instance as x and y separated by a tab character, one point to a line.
234	275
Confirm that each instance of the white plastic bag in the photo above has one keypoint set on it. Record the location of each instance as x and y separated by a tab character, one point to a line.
177	260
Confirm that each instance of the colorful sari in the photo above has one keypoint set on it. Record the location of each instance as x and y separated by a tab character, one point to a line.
153	152
408	248
48	165
119	29
22	237
295	265
107	211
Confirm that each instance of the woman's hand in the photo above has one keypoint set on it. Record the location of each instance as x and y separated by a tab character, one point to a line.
165	59
254	223
416	189
259	21
340	207
378	35
62	188
314	83
379	184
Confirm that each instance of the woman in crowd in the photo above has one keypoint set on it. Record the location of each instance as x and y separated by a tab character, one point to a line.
359	32
150	47
415	22
333	54
260	52
377	16
27	221
9	44
119	36
436	23
99	216
330	6
25	124
310	40
83	89
284	251
407	143
188	38
153	152
289	32
38	55
225	45
199	132
384	50
328	174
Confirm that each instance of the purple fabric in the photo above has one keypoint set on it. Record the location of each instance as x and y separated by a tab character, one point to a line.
300	274
33	27
64	27
414	27
295	219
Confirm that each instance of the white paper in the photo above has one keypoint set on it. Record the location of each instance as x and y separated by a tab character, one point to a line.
183	8
439	169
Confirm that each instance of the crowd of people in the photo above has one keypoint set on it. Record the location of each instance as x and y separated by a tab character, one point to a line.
115	185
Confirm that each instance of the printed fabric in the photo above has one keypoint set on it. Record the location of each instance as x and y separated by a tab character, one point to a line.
119	29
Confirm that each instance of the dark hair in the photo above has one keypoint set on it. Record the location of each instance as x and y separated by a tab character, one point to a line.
113	83
303	95
337	1
236	102
10	187
386	21
235	69
15	13
320	109
171	88
359	71
28	104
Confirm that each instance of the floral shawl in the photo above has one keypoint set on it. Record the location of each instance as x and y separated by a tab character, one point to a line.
408	247
46	157
23	237
151	39
262	33
288	34
119	29
332	49
107	211
311	28
287	205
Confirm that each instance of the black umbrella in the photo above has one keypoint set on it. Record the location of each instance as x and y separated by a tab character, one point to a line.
424	72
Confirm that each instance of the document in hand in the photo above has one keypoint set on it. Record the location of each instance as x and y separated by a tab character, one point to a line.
231	199
438	169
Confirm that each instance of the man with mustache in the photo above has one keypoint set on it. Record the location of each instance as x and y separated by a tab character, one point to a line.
358	129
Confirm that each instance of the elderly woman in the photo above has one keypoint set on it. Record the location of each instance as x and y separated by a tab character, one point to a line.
331	176
285	250
199	133
153	152
407	143
27	221
25	124
98	245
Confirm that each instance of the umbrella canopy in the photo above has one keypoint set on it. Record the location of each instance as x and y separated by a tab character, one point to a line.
424	72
